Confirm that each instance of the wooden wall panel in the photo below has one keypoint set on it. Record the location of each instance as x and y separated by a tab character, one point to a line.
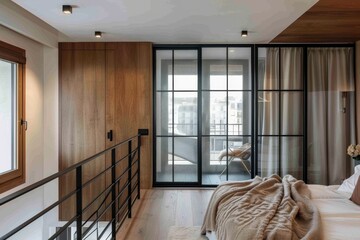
82	120
129	97
103	87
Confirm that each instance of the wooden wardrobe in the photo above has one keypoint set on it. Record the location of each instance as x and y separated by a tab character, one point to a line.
103	87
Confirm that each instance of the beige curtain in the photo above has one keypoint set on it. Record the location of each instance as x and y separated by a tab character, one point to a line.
331	101
291	113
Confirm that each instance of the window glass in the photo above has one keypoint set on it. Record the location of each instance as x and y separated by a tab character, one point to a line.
8	116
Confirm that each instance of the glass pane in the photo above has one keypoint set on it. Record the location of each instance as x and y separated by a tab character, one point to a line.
268	155
214	113
291	68
268	68
268	113
164	159
292	156
239	77
185	70
164	70
214	68
213	160
185	115
8	117
185	159
239	113
239	158
164	113
292	113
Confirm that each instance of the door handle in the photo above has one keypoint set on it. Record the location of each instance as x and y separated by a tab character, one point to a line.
110	135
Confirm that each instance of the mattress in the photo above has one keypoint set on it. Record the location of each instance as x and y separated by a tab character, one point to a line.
340	217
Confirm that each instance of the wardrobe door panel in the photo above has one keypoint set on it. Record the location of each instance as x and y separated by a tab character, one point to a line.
82	121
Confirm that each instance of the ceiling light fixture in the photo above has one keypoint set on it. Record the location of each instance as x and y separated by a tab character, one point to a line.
98	34
67	9
244	33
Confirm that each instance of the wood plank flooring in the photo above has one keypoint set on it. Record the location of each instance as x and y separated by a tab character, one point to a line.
160	209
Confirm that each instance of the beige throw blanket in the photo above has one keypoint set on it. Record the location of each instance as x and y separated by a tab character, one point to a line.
263	208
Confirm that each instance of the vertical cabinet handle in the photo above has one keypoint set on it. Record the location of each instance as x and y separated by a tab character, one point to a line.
24	123
110	135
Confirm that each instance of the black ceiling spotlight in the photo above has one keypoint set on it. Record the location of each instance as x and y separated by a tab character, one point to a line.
244	33
98	34
67	9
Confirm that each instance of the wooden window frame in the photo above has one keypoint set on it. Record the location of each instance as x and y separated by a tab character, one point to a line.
16	177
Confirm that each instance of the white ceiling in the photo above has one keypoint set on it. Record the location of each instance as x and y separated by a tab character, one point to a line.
170	21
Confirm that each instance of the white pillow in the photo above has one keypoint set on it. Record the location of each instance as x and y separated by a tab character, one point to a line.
349	184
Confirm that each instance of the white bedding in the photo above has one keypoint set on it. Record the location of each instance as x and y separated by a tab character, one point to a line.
340	217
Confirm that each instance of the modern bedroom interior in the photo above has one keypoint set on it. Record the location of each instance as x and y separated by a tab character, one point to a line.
168	120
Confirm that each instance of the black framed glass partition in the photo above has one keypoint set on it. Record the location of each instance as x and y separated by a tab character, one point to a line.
177	115
280	111
226	114
231	112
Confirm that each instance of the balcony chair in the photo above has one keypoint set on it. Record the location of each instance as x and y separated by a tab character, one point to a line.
242	153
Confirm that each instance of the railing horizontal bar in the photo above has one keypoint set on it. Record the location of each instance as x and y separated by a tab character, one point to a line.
63	228
122	220
29	221
123	204
88	219
65	198
106	208
25	190
136	172
133	176
108	168
85	237
108	236
135	185
133	202
108	188
125	215
87	206
107	225
127	155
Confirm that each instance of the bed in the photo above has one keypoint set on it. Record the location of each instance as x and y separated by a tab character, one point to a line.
340	217
313	211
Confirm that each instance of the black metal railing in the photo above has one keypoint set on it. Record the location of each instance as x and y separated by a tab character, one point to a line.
111	197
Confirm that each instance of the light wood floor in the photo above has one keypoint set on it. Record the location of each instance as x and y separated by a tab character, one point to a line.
159	209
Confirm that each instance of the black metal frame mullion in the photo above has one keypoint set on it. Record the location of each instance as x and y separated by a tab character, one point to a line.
280	113
199	120
255	117
154	105
227	113
173	115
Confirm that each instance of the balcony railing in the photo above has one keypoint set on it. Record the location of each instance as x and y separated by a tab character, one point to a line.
111	195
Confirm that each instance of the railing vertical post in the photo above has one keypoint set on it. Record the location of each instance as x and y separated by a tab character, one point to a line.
79	202
138	171
129	181
113	193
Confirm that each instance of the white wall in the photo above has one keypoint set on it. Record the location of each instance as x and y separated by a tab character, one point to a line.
15	212
41	137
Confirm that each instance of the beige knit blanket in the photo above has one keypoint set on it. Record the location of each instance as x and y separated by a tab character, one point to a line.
263	208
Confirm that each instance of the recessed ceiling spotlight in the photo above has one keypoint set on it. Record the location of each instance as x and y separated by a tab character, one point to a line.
98	34
232	50
67	9
244	33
